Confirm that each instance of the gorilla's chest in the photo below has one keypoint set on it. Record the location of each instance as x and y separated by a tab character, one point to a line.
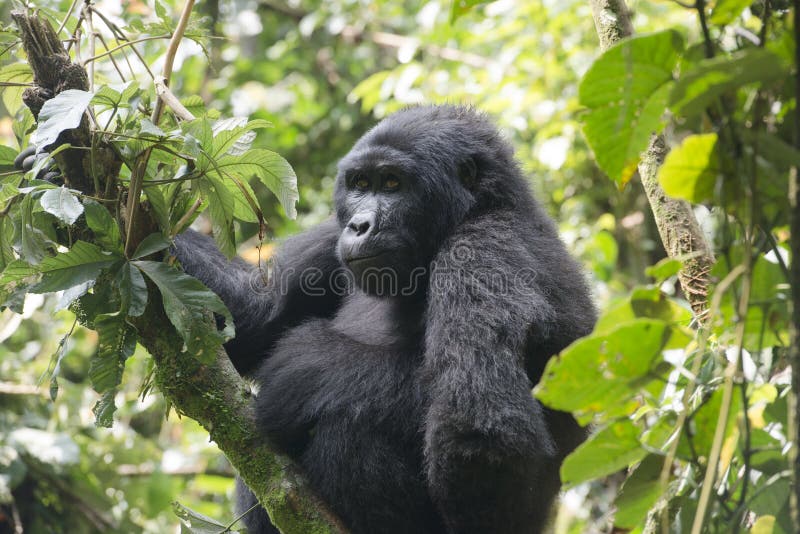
364	406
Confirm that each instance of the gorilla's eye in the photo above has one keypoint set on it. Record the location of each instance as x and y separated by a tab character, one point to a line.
391	183
361	183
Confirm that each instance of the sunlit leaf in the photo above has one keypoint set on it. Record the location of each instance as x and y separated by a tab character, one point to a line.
690	171
63	112
271	169
695	90
626	91
613	448
20	73
61	203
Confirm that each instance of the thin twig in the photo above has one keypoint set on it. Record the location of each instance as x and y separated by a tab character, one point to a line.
123	45
66	17
87	15
171	100
169	57
120	35
184	221
140	167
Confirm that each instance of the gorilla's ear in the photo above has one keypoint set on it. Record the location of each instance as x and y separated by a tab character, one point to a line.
468	173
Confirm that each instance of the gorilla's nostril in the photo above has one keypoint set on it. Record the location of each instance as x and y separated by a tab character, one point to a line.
360	223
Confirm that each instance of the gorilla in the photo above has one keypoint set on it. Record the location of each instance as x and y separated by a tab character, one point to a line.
395	345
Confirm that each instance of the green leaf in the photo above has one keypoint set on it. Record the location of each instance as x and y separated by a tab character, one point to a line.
195	105
132	290
201	132
7	192
104	409
690	171
6	235
600	374
147	128
197	523
221	205
613	448
63	112
235	135
103	225
32	241
116	343
150	245
159	207
625	91
271	169
187	303
7	155
726	11
460	7
664	269
12	96
640	492
81	263
62	203
115	96
14	282
698	88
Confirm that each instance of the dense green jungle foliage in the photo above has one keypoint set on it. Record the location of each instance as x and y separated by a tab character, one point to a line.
691	405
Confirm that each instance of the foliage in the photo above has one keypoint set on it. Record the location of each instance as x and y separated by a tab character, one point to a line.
699	416
651	380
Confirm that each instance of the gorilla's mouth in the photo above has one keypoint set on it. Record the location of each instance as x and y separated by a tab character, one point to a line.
367	258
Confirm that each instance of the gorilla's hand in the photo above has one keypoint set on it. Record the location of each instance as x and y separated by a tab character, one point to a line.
27	160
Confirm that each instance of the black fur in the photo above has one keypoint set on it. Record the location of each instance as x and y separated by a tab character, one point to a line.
413	412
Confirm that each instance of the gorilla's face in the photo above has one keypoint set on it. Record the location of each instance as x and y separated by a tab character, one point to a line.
395	209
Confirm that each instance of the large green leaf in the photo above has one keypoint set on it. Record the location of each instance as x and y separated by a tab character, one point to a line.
640	492
613	448
188	304
80	264
63	112
132	290
116	343
626	91
221	206
103	225
235	135
7	156
33	242
6	234
690	171
696	89
602	373
271	169
18	73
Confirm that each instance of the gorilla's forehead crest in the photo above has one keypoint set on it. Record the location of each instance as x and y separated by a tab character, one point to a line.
437	131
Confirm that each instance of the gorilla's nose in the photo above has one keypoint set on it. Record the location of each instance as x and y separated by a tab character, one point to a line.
361	223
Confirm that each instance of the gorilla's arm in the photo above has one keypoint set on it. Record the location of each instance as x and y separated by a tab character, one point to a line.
492	460
297	288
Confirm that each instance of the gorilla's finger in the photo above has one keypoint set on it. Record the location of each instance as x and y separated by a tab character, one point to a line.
25	154
51	176
28	163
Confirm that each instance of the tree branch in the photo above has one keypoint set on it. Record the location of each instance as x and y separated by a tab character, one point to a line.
678	227
212	394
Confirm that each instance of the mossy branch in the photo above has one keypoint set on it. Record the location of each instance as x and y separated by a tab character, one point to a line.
212	394
677	225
